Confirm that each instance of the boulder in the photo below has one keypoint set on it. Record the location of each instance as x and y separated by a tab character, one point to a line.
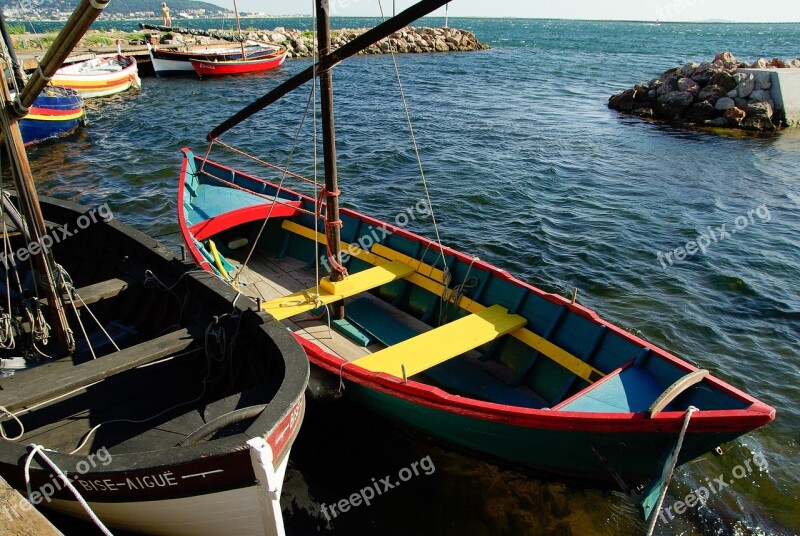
700	112
741	103
734	116
746	86
689	69
675	72
732	94
630	99
760	95
668	86
673	104
704	77
759	117
760	63
793	64
763	80
711	93
723	79
725	103
727	60
644	113
688	85
654	83
777	63
277	37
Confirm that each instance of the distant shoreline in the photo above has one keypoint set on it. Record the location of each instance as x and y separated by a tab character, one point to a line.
297	16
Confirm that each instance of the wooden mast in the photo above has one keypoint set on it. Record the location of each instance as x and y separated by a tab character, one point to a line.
239	28
81	19
29	202
332	222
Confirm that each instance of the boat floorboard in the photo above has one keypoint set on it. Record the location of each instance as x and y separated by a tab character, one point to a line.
269	278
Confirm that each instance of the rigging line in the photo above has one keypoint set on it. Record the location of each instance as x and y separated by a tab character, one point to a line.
275	199
262	162
414	142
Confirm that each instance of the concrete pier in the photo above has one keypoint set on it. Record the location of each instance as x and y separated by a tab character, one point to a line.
785	91
18	517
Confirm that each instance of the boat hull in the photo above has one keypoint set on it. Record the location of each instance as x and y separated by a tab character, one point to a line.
56	112
219	68
138	469
100	77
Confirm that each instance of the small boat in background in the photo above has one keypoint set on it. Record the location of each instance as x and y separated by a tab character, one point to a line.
240	66
100	77
56	112
177	62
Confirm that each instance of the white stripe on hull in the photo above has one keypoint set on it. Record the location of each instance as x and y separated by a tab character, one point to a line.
235	513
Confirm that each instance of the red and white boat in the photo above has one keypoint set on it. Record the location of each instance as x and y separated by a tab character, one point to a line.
215	67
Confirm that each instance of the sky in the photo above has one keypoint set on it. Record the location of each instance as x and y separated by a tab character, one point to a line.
664	10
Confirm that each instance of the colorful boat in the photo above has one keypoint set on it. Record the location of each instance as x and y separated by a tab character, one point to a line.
56	112
177	62
240	66
441	341
100	77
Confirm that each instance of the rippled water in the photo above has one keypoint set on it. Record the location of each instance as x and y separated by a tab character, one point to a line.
529	170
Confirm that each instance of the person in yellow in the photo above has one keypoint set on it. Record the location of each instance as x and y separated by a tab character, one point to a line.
165	15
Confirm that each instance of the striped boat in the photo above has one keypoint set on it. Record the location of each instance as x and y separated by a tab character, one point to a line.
56	112
99	77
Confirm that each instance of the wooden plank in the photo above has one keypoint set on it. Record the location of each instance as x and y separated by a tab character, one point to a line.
420	267
93	371
100	291
20	518
351	249
438	345
307	300
546	348
675	390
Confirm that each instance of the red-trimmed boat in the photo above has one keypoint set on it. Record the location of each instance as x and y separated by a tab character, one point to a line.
239	66
57	112
443	342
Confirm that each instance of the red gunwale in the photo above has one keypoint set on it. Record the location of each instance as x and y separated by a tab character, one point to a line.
35	110
707	421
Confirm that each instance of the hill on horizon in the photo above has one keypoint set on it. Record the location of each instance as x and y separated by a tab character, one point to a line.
116	6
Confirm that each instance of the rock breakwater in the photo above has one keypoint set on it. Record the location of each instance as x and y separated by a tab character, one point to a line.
719	93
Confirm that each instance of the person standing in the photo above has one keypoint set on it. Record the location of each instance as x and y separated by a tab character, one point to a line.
165	15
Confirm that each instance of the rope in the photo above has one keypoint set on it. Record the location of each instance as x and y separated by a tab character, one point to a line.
672	463
414	143
454	296
38	449
264	163
19	423
334	261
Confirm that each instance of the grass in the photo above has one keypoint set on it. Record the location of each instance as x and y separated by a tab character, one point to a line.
16	29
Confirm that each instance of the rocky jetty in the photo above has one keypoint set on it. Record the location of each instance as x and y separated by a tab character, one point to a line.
303	44
713	94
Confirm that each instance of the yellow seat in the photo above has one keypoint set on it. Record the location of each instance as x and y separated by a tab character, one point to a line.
329	292
445	342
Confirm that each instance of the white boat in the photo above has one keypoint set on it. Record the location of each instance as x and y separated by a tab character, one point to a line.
100	76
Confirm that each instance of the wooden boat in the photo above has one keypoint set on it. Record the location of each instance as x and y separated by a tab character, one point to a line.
189	470
139	391
58	111
100	77
445	343
176	62
239	66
